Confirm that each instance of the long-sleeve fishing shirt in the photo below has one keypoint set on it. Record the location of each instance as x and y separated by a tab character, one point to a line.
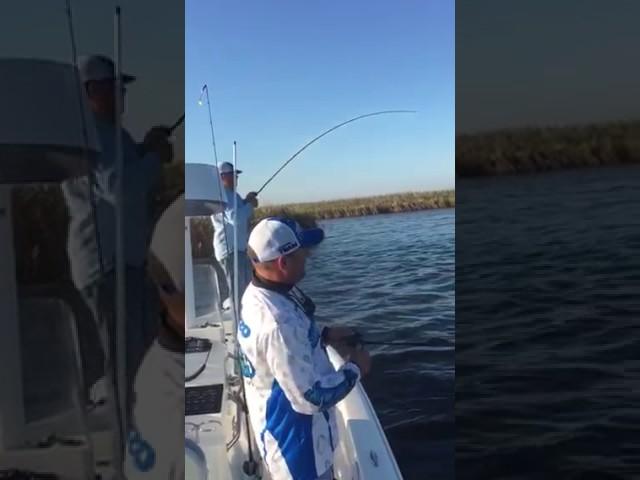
223	225
88	250
291	386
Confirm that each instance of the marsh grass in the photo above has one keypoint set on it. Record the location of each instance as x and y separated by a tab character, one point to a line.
308	214
531	150
41	221
356	207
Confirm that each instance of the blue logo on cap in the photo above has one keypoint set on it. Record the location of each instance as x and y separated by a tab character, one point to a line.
287	247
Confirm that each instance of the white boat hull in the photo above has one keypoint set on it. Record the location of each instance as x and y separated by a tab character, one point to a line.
363	452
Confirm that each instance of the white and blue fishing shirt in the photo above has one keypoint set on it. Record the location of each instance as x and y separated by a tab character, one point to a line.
291	386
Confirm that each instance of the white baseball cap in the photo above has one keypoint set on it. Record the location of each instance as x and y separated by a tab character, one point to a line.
226	167
95	68
167	243
273	237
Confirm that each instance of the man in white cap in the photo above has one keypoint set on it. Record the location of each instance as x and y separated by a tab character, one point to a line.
155	446
92	227
291	386
223	223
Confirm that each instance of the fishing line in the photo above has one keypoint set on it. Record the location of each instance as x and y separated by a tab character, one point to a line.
325	133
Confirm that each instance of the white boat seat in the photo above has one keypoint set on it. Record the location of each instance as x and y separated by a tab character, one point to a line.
207	286
88	339
52	399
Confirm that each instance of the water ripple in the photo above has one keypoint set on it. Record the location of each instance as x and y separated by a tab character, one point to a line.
547	315
392	277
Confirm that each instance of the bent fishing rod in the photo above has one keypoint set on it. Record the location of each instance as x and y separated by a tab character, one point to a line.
176	124
308	144
169	130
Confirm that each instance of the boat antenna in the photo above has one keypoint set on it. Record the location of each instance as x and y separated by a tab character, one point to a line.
249	467
236	303
308	144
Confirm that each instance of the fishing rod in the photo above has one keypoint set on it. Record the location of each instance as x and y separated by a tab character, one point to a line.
205	93
250	466
399	344
168	131
117	439
325	133
176	124
357	339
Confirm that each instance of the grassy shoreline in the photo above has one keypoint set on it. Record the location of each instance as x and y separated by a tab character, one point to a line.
356	207
308	214
532	150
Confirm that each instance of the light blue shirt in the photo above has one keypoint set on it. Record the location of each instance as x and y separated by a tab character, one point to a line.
140	174
223	226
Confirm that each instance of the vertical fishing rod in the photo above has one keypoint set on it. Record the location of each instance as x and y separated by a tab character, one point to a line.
121	354
205	93
85	137
236	304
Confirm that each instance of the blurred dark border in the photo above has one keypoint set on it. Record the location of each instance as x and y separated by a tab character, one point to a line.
547	240
59	356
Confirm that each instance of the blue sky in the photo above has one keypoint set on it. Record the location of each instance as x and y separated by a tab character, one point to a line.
281	72
546	63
